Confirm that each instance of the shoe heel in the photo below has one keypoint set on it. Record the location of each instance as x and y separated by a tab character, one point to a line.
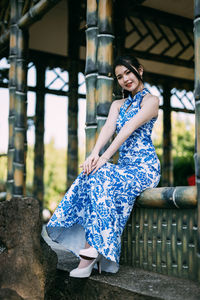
99	266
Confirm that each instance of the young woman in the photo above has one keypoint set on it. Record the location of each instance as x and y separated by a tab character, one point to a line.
92	215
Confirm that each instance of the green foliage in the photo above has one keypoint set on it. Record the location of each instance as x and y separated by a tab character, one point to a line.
183	138
183	141
54	175
183	168
3	168
183	150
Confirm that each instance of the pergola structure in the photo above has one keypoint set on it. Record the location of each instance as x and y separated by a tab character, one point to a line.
80	36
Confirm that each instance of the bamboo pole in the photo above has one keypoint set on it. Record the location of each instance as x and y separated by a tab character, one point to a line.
141	238
197	108
12	90
174	245
36	12
169	197
19	162
137	237
105	61
154	240
150	241
185	260
129	244
167	170
38	186
169	241
145	237
133	237
159	243
164	242
91	74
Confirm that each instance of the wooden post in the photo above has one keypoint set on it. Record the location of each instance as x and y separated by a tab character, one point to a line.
105	61
38	186
72	153
119	27
120	37
73	52
91	74
167	168
197	106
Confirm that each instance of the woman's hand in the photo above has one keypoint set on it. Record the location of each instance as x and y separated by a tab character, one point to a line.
90	163
101	161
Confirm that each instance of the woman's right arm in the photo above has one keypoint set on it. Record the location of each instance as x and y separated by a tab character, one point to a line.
106	133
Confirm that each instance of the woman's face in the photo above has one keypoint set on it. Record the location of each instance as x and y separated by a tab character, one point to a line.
127	80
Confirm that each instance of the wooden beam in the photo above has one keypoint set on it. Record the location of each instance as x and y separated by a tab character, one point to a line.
161	17
162	58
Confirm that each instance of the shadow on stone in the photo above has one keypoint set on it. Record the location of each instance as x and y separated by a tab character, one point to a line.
8	294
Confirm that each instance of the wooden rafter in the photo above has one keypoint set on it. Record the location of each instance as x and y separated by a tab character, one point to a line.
150	36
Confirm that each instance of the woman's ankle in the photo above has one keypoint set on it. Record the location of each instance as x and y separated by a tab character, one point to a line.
84	263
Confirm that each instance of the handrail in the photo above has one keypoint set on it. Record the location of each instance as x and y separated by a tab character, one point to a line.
169	197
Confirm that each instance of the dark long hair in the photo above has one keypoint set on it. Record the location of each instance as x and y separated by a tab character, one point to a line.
131	63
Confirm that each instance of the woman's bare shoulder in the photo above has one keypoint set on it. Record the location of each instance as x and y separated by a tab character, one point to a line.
151	98
118	103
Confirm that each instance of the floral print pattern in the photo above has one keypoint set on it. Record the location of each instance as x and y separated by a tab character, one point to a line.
102	202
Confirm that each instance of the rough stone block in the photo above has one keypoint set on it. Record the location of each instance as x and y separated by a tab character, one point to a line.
28	264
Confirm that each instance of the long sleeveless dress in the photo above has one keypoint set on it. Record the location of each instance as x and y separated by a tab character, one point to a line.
97	206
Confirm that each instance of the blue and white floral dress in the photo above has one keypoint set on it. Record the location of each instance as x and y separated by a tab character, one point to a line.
96	207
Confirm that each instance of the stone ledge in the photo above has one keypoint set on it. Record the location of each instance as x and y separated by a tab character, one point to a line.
128	283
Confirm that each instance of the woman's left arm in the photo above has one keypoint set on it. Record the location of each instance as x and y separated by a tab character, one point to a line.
148	111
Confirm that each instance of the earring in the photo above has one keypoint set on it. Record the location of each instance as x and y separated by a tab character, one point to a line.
123	94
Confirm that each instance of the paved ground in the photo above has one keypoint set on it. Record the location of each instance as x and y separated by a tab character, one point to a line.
137	282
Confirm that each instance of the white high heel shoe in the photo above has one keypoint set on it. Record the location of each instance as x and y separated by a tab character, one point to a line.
89	253
86	272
